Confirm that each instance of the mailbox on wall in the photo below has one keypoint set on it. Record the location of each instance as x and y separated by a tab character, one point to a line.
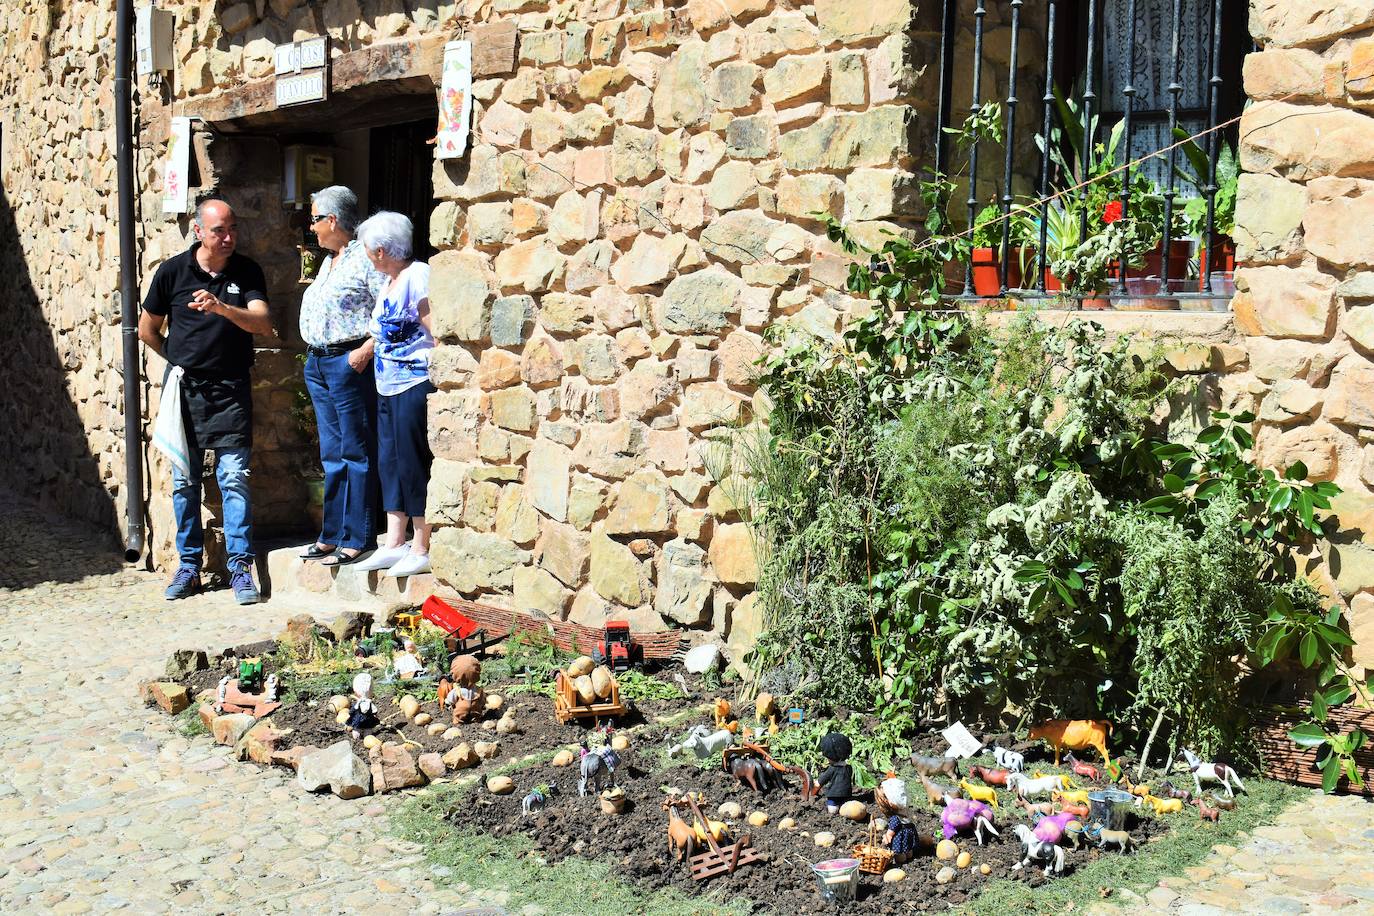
305	170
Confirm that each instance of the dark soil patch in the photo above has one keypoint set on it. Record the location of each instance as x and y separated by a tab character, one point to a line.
636	841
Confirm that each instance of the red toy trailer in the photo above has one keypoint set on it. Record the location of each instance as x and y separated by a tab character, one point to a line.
616	649
460	628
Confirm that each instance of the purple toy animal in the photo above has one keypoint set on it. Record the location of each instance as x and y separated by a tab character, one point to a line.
1051	829
961	814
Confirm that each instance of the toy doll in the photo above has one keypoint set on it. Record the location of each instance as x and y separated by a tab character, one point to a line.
362	710
836	780
901	835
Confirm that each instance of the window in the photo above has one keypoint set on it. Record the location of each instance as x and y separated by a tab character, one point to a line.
1133	67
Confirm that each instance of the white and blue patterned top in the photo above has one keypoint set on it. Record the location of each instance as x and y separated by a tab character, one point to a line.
403	344
336	307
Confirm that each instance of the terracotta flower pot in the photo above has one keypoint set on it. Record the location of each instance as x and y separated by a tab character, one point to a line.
987	271
1180	254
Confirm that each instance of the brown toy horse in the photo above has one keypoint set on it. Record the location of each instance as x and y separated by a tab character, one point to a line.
989	776
1205	813
682	838
1033	809
1086	770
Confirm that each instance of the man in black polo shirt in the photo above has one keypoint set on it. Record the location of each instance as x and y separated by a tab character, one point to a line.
212	301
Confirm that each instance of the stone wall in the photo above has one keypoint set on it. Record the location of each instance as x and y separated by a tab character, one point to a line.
1305	299
639	205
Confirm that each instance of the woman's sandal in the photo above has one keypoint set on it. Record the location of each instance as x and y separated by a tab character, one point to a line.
343	559
314	552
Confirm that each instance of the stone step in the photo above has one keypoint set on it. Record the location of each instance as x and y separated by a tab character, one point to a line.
359	589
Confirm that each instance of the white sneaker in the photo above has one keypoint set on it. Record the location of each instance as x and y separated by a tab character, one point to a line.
382	558
413	564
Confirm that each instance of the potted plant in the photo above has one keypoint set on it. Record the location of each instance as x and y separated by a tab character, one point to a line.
1087	268
1061	236
1220	242
985	255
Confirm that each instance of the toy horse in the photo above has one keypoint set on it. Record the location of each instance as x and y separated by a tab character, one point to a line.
596	764
990	777
1051	829
1206	813
1167	790
682	837
1038	851
1026	787
960	815
1008	759
979	793
1034	808
1086	770
1121	838
1221	804
754	773
1212	772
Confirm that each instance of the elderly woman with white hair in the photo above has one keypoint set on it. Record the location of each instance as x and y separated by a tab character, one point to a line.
400	327
335	311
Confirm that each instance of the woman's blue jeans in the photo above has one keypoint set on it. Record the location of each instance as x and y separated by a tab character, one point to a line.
346	416
231	472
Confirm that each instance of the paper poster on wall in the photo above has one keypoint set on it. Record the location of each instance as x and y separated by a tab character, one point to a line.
455	101
175	177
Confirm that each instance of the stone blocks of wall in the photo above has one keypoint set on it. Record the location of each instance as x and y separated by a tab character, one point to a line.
642	200
1305	297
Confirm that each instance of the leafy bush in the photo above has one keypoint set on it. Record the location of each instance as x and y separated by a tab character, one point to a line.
963	521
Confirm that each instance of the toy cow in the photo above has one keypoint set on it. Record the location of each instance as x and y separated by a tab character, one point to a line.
934	766
1008	759
1074	734
1037	850
702	742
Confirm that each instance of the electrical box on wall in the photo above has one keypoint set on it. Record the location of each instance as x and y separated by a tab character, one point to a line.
153	40
306	169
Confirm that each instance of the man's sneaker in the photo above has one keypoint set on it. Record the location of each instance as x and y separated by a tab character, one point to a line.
184	584
241	581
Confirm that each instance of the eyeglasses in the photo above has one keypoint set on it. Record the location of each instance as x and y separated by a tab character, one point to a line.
316	219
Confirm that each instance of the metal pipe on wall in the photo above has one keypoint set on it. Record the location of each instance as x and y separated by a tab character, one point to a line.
134	539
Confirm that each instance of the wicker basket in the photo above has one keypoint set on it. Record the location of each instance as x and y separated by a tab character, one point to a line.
873	858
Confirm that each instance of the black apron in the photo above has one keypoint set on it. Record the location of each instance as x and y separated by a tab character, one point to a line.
218	411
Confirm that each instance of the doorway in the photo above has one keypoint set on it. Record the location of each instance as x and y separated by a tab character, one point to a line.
401	176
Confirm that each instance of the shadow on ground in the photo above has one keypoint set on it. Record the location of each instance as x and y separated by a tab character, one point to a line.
38	546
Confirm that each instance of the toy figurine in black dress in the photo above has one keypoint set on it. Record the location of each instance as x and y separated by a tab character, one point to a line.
836	780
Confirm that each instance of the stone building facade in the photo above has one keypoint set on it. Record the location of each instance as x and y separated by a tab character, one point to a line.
637	207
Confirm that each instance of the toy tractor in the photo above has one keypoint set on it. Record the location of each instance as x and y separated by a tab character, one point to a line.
617	650
250	675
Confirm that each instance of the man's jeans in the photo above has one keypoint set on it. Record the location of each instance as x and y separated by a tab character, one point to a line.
346	416
231	471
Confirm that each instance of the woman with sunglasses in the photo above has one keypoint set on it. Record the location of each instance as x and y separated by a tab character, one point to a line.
338	373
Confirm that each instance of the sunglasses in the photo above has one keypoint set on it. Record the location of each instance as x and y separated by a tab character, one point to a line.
316	219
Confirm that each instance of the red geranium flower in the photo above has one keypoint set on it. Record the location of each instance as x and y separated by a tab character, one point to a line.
1112	212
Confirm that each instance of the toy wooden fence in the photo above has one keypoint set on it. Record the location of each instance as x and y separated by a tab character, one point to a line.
1282	759
568	636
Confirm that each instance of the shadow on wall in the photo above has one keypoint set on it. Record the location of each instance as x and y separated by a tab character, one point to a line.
44	453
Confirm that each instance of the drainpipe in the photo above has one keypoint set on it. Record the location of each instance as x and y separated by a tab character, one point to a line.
128	283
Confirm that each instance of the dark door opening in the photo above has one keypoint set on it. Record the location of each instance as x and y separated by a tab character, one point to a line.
401	176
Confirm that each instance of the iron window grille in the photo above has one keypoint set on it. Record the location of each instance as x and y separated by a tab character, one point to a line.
1156	68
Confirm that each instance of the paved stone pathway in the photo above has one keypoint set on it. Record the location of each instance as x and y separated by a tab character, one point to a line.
104	807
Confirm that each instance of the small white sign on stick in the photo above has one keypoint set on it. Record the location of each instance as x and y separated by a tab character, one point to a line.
962	744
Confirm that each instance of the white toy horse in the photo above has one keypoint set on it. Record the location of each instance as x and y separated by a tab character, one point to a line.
1008	759
1026	787
1038	851
1212	772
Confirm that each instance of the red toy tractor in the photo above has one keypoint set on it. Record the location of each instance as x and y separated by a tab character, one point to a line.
617	650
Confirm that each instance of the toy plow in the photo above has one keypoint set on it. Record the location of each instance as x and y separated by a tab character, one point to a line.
808	788
717	859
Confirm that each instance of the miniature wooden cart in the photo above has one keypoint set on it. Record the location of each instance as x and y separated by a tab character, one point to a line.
567	705
717	859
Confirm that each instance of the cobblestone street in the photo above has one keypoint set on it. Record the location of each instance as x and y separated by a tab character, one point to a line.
104	807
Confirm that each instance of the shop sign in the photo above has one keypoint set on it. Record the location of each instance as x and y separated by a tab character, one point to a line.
455	101
301	68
